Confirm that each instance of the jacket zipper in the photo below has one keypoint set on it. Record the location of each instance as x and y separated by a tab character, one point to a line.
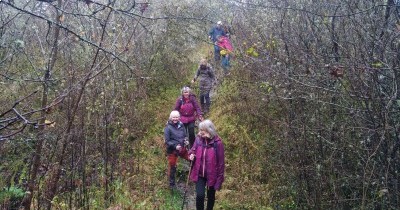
204	161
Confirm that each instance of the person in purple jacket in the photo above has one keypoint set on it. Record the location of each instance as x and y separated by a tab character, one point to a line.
189	109
209	164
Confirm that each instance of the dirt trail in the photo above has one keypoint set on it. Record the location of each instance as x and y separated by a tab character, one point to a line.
190	203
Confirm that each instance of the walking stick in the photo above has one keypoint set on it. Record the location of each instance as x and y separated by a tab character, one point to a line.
186	186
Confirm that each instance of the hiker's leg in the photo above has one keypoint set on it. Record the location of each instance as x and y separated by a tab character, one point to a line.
191	133
172	159
225	64
200	193
202	102
210	198
216	53
207	101
228	61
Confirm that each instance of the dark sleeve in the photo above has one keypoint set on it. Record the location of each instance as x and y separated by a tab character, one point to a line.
223	31
194	147
220	166
196	106
177	104
197	74
167	138
211	73
211	32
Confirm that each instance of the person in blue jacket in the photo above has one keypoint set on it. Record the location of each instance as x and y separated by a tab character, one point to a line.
175	141
217	30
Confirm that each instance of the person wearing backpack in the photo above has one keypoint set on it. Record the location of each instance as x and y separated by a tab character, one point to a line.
212	34
226	51
208	168
207	77
189	111
175	141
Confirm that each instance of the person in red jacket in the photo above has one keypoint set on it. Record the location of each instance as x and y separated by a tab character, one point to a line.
189	110
226	51
209	164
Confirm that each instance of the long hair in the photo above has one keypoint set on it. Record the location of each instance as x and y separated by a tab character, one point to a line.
208	126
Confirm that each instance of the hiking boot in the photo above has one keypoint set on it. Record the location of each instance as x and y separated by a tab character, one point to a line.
206	108
172	177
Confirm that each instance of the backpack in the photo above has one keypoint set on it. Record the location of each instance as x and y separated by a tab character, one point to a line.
223	52
190	99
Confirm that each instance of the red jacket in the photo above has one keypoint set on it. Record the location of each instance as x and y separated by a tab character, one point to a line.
225	44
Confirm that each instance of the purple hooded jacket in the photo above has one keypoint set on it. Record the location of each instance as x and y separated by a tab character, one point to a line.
188	108
208	162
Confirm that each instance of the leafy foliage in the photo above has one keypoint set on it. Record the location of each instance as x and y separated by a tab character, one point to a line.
309	113
11	198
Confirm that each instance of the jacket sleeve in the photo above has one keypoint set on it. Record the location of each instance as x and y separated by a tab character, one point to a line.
177	106
194	147
197	74
223	32
211	73
196	106
228	45
211	32
167	137
220	166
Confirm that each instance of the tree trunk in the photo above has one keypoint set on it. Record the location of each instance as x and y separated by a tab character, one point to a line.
40	135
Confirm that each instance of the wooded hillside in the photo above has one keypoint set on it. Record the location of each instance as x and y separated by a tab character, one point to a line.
309	114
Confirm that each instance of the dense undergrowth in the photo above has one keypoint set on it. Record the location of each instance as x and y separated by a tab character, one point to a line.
247	122
247	144
307	115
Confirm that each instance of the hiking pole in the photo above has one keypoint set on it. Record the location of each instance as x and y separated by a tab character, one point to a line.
186	186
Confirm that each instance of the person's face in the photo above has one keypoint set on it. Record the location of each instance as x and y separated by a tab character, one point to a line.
175	119
186	94
204	133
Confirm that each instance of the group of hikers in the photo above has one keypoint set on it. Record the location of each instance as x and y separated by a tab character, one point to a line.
205	151
219	35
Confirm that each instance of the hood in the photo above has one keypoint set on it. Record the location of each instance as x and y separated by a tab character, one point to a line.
178	124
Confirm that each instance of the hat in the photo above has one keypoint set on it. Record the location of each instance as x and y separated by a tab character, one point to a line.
219	23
